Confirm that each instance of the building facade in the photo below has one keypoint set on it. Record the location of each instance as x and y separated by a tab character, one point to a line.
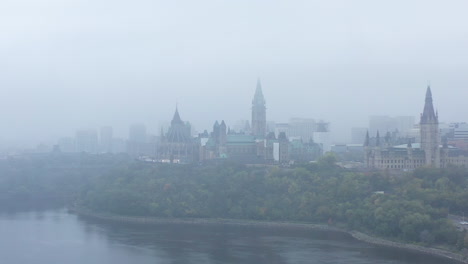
379	153
247	145
177	145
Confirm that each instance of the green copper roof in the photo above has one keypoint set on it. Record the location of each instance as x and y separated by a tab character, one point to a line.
240	139
296	144
210	143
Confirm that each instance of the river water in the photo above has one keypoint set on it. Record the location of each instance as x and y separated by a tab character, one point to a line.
56	236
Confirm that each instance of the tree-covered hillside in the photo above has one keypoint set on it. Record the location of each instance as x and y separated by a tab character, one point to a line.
411	207
51	179
408	207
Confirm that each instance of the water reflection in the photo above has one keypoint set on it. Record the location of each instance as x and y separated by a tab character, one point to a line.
240	244
54	236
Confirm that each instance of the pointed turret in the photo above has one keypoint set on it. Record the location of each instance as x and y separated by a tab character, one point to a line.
271	136
409	150
377	139
387	138
222	133
366	142
161	135
282	136
176	119
428	114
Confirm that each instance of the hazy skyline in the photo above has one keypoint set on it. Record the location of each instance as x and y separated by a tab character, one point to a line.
73	64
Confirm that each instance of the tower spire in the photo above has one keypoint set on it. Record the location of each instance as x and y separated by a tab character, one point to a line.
258	97
161	135
366	142
429	129
377	139
428	114
258	112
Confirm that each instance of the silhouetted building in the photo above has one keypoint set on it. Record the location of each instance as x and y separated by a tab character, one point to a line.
357	134
137	140
256	147
282	127
119	145
322	136
384	124
380	153
106	137
301	128
67	145
177	145
222	144
304	151
86	141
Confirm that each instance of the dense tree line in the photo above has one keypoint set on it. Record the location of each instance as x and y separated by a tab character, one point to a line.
50	178
411	207
407	207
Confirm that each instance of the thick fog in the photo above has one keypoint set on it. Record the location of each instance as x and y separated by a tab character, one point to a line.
73	64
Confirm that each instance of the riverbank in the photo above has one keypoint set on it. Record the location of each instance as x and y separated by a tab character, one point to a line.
234	222
426	250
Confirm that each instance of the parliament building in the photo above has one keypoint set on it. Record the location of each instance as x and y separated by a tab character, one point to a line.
255	145
427	153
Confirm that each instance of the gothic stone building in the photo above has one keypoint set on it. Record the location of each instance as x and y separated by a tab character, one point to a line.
177	145
256	147
428	152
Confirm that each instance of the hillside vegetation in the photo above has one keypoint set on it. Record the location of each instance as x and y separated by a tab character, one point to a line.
411	207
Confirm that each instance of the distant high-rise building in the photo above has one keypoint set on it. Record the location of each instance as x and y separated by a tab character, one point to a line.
67	144
137	133
358	134
106	137
242	126
302	128
137	139
86	141
456	134
384	124
270	127
282	127
322	136
404	125
460	131
258	113
118	145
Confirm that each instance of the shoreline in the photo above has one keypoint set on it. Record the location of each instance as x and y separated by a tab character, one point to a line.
240	222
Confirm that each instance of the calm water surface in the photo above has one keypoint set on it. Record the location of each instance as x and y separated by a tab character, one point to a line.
55	236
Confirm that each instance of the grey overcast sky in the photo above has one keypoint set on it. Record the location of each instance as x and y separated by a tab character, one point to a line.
71	64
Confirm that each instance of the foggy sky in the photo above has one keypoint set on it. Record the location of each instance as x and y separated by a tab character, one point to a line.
72	64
